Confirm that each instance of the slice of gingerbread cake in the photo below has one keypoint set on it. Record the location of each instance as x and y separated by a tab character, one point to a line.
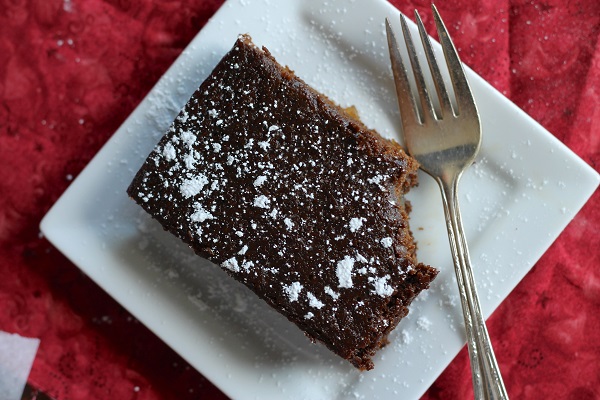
292	196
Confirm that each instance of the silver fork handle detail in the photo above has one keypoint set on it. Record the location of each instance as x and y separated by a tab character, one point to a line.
487	380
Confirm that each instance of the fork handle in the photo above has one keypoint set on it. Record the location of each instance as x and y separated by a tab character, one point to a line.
487	380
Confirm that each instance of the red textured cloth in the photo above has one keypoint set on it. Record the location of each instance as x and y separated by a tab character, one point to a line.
71	71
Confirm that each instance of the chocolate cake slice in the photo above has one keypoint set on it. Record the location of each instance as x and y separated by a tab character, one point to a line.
292	196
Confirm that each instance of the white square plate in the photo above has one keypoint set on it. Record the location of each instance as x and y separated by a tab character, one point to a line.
523	190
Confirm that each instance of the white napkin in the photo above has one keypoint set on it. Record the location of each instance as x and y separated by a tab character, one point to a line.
16	358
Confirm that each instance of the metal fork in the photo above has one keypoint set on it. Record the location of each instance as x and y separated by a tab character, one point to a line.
445	138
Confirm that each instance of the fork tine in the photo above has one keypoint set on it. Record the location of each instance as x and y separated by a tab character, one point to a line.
426	105
409	112
438	80
464	97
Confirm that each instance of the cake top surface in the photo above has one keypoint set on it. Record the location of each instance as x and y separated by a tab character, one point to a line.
261	175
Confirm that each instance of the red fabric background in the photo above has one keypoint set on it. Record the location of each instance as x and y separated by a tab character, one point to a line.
71	71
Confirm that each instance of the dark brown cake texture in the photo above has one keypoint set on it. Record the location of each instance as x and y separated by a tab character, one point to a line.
292	196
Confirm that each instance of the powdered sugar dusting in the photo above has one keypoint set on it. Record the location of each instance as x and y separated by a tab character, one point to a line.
344	272
262	201
231	264
330	292
356	224
201	214
424	323
191	187
313	301
386	242
288	223
188	138
260	180
169	152
293	291
382	286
